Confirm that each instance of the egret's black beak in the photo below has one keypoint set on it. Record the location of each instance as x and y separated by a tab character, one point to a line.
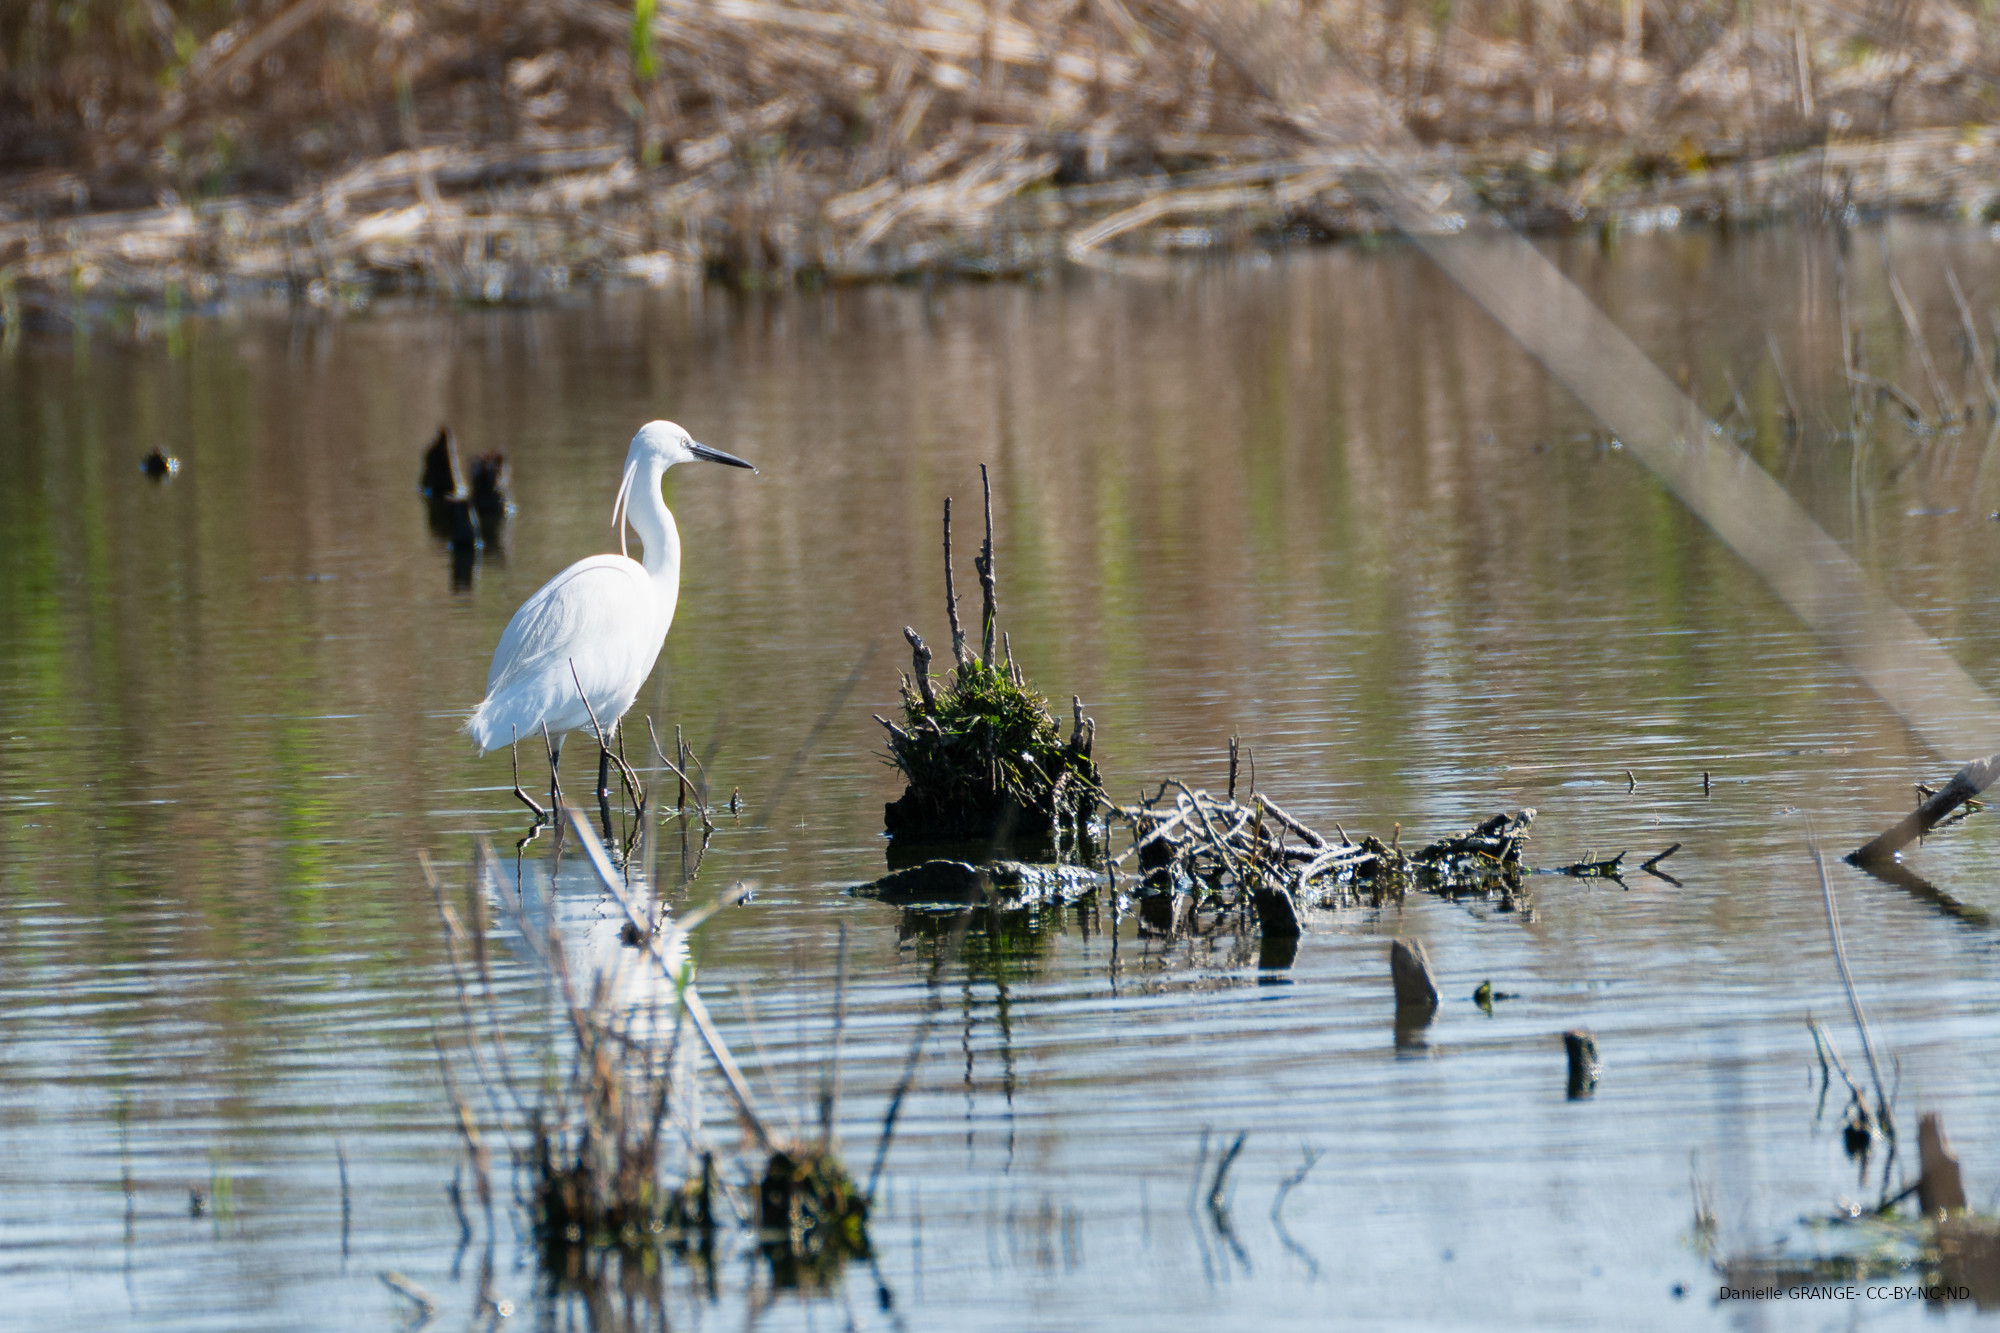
709	455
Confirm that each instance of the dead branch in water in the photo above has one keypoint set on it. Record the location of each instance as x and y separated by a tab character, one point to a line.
1200	844
1853	997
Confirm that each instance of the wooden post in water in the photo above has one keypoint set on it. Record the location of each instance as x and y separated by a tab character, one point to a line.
1278	918
1410	970
1940	1189
1583	1066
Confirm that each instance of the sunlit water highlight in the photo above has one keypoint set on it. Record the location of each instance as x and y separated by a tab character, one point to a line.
1316	501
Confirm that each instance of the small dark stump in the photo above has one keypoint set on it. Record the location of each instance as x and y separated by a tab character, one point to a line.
1583	1065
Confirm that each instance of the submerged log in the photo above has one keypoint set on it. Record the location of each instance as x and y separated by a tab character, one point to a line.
948	883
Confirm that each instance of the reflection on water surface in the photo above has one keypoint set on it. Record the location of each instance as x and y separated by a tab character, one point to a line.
1317	502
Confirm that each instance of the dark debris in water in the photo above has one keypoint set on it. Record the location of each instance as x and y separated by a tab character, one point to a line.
1244	861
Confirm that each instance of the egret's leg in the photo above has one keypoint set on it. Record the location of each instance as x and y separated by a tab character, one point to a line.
604	787
555	762
514	749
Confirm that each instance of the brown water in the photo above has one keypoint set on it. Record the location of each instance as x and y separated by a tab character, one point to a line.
1316	501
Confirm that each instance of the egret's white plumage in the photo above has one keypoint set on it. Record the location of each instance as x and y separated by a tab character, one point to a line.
600	623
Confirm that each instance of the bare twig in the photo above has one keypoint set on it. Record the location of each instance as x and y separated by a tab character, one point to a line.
989	613
1853	997
951	593
657	951
1973	348
1272	808
1829	1053
1944	405
921	667
631	779
687	784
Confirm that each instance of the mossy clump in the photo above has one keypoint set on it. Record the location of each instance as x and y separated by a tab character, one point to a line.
601	1188
986	760
984	756
812	1215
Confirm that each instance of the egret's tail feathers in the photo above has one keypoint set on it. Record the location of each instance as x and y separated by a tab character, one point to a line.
471	727
481	728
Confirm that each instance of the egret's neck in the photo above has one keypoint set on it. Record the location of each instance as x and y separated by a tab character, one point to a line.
650	518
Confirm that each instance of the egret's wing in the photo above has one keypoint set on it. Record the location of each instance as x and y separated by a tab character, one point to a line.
598	613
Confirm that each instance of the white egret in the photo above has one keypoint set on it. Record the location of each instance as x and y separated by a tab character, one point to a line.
587	641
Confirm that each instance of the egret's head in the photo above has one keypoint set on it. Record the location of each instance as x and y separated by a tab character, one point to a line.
666	444
670	445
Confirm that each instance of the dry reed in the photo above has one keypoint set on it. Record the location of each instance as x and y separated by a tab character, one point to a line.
503	150
611	1161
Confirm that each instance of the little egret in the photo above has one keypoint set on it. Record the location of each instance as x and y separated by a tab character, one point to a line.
587	641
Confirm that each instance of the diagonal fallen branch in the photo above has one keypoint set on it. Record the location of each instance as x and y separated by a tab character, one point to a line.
1965	784
658	951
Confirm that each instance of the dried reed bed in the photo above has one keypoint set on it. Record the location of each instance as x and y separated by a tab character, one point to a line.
501	149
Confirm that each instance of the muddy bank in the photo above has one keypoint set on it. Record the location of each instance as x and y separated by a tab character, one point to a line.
504	152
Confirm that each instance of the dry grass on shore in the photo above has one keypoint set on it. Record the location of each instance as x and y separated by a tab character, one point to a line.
498	149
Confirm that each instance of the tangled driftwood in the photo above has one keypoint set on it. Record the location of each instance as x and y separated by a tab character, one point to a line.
1258	853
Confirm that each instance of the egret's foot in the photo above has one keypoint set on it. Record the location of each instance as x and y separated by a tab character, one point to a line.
514	749
534	832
